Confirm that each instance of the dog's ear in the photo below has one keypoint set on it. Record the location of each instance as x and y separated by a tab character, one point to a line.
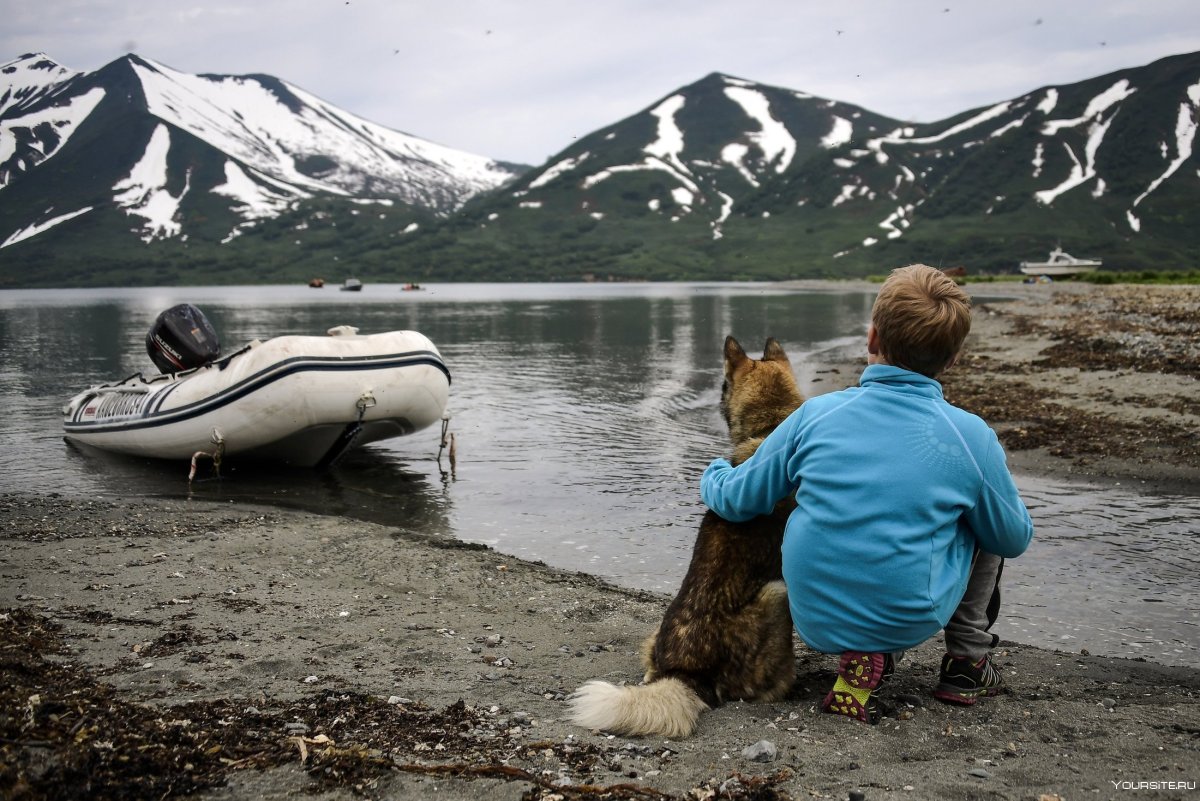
773	352
735	357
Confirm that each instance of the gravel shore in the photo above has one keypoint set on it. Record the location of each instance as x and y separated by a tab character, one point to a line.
1098	383
163	648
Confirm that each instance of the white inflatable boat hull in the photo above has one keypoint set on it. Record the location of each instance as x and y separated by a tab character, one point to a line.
302	400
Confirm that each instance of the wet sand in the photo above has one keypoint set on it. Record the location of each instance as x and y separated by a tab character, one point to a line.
154	649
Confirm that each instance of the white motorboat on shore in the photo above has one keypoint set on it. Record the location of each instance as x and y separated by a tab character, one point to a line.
299	400
1059	263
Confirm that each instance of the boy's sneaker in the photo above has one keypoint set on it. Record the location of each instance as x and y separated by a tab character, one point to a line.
859	675
964	682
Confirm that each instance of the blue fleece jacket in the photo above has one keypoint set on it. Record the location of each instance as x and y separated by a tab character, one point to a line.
895	489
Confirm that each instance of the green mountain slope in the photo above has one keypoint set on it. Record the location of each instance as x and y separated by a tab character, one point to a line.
729	179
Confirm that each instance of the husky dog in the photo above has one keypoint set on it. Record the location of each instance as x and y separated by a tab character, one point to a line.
728	633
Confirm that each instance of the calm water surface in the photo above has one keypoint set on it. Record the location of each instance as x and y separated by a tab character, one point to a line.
584	415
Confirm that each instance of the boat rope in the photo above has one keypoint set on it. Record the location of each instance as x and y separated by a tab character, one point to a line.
346	439
217	454
447	442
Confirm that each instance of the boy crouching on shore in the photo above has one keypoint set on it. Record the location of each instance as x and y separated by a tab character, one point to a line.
905	509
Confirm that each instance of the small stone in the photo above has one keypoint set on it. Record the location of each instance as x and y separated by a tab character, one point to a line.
311	680
730	788
979	773
1108	703
522	718
762	751
858	795
296	727
399	699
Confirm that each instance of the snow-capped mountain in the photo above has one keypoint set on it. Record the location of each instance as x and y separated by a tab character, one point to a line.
703	150
149	175
164	147
1106	163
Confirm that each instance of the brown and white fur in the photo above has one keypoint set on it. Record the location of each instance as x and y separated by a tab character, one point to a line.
728	632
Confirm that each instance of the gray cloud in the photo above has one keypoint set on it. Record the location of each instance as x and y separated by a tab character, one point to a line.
518	80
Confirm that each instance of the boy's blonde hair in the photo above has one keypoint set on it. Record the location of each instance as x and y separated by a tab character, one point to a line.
921	318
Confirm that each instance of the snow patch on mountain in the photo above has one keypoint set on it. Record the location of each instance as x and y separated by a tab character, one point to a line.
1048	102
1097	106
258	127
1185	135
558	169
772	138
669	145
841	133
1080	173
664	153
903	136
28	79
726	210
45	225
63	119
143	192
254	200
1009	126
734	154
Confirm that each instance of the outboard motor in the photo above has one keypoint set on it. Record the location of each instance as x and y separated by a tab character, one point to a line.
182	338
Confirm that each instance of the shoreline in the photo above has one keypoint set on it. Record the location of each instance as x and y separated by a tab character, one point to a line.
157	648
1094	384
230	647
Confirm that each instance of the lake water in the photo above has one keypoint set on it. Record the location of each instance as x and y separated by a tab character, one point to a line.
584	415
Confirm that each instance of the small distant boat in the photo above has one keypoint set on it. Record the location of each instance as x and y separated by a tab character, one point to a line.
317	283
411	288
1059	263
352	285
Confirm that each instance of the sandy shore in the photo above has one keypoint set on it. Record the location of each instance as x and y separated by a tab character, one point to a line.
151	649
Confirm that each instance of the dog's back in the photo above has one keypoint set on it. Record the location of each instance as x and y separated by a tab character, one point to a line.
728	632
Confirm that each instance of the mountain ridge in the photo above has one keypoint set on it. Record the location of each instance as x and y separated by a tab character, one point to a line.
729	178
229	148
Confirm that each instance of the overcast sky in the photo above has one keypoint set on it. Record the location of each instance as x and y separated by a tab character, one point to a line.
517	80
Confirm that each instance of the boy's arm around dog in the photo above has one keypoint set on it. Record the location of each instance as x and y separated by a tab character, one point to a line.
757	484
861	420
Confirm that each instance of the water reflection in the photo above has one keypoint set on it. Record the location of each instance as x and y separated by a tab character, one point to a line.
583	416
375	486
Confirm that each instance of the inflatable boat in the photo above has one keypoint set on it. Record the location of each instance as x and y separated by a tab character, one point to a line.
300	400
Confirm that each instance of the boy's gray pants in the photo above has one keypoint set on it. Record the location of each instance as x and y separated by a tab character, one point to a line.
967	633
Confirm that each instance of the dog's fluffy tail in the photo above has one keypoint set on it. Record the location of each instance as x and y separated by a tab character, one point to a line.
665	707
